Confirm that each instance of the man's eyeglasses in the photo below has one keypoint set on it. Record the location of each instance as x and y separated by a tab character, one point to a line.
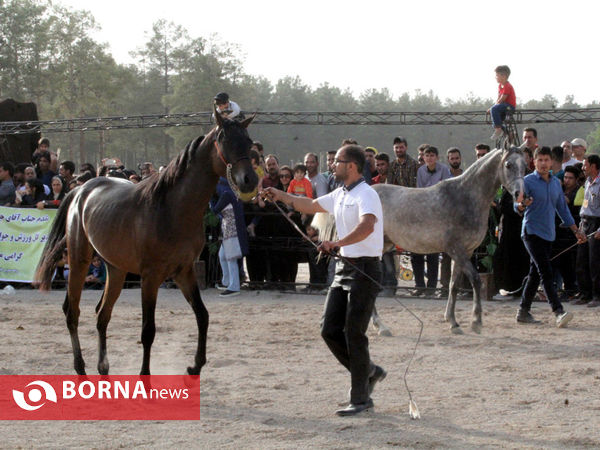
285	175
341	161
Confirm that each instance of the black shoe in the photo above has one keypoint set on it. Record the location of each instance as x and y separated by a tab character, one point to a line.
355	408
526	317
378	376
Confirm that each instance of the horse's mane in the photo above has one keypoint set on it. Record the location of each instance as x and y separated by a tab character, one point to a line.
479	162
155	187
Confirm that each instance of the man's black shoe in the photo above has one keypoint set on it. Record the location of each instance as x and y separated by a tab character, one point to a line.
355	408
378	376
526	317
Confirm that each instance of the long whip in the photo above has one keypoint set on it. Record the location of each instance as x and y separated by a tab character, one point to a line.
413	410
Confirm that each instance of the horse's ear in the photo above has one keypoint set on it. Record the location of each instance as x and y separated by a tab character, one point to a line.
248	121
218	117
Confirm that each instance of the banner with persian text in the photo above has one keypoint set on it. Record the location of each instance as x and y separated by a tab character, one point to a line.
23	234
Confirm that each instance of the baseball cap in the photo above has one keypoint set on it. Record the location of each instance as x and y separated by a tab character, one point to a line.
222	97
372	149
579	142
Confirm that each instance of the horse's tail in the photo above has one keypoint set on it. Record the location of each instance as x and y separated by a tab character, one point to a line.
56	243
325	224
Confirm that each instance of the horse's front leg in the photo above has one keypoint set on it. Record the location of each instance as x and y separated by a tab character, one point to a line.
189	286
150	287
452	294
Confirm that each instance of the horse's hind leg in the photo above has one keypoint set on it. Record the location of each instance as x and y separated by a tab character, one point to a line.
79	262
114	283
188	284
150	287
475	281
378	324
453	291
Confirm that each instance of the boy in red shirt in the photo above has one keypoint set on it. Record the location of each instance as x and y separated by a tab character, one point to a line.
506	99
300	185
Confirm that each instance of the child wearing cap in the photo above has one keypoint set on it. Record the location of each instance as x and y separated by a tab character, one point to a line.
227	108
506	99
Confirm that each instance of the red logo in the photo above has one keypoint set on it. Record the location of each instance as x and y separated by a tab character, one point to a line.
97	397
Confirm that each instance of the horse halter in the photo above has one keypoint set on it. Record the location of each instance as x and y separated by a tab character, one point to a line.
228	168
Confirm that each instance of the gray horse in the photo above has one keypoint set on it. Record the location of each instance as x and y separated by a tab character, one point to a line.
452	217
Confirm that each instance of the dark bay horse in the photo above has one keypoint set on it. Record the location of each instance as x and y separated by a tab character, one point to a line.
452	217
154	229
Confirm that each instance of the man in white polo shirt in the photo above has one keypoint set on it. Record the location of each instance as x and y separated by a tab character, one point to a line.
351	296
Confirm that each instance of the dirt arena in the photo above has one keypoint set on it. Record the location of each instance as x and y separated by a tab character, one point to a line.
270	382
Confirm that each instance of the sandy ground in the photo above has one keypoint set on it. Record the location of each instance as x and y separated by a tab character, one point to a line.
270	382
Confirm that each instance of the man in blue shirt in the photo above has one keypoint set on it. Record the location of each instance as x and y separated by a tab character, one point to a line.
544	199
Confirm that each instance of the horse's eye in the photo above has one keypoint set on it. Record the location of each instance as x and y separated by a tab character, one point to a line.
508	165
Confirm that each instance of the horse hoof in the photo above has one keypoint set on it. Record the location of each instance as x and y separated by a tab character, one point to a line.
103	369
80	368
384	332
193	371
476	327
456	330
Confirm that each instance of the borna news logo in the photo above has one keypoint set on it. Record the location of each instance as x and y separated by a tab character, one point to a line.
96	397
34	395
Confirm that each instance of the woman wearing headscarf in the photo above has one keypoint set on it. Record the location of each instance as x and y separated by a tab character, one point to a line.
57	193
235	238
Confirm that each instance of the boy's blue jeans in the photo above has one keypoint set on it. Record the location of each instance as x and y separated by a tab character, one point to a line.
498	113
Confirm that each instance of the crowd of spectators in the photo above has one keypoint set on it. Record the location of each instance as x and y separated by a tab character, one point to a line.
45	180
275	248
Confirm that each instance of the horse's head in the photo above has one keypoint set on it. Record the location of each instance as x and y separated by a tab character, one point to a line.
233	145
512	172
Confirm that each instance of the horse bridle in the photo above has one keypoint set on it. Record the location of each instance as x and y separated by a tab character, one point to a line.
504	158
229	167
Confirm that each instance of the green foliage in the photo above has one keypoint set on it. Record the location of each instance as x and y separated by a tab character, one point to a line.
47	56
593	141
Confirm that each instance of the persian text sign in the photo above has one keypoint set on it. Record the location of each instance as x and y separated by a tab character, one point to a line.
23	234
97	397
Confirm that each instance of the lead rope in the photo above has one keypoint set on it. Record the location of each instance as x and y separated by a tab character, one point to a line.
228	167
413	410
232	185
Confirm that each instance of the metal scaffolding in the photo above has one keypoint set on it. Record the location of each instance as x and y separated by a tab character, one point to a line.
523	116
